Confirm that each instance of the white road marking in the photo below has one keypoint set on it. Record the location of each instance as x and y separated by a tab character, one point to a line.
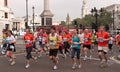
115	60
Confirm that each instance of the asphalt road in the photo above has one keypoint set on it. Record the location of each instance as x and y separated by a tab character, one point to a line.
45	65
65	65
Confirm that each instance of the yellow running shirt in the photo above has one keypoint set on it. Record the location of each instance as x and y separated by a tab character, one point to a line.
53	41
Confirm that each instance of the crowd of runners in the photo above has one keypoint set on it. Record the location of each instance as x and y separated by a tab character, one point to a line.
74	43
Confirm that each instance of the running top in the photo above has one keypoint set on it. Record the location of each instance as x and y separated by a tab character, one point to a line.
41	38
53	41
70	37
28	38
45	36
111	40
87	39
118	38
4	36
11	39
93	38
75	39
65	38
101	37
81	37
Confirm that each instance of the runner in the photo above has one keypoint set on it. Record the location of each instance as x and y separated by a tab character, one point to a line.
66	44
61	46
45	37
110	43
93	40
81	36
76	50
3	48
102	38
87	44
4	45
41	40
34	42
28	38
53	44
69	41
118	40
10	40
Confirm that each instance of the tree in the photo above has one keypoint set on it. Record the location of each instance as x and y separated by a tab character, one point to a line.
104	18
63	23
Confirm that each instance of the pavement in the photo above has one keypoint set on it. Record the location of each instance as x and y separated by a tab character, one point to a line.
44	64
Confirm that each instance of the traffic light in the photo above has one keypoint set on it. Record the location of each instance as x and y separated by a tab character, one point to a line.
107	27
75	24
81	26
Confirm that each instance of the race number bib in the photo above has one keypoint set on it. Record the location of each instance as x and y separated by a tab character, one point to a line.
40	38
110	42
74	46
65	39
86	39
100	39
43	40
12	47
27	42
52	44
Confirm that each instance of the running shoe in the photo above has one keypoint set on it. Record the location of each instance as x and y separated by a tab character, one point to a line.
13	63
27	66
90	57
85	58
10	60
55	67
74	66
79	66
35	59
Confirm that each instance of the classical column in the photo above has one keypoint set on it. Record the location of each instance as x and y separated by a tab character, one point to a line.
46	5
46	14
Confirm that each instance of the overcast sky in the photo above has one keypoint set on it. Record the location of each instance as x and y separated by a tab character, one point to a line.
59	8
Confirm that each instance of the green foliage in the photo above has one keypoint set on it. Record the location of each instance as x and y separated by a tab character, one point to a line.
63	23
103	19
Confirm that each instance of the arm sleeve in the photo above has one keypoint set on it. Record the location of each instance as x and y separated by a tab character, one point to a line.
32	37
107	35
13	38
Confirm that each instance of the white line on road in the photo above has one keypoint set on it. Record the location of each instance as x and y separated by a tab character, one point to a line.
113	58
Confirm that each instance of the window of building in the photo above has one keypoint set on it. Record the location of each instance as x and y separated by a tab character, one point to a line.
6	2
7	26
119	17
6	15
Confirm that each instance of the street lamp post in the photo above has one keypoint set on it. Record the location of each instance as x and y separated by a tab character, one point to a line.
113	19
26	23
96	14
33	17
